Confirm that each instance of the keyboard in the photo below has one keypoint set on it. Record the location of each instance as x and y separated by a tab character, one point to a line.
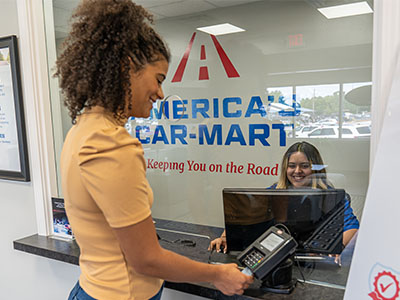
328	238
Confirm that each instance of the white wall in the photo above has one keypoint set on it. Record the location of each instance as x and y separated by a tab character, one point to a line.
24	276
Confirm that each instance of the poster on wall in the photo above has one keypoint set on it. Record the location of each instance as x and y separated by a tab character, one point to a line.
13	147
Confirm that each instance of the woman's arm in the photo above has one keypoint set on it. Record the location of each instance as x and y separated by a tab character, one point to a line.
348	235
143	252
351	223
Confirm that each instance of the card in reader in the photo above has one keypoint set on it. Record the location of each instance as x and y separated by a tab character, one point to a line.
267	252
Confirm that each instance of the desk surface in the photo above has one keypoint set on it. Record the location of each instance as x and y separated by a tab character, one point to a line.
324	280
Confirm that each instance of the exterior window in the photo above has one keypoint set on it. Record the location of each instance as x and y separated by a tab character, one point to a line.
346	131
327	131
364	130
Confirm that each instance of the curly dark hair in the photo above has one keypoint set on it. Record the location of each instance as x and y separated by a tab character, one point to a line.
106	37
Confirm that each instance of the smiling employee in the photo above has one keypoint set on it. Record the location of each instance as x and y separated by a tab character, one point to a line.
302	166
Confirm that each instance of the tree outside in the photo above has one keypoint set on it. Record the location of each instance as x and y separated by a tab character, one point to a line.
322	107
328	106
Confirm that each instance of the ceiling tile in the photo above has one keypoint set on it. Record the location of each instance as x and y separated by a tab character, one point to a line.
151	3
225	3
182	8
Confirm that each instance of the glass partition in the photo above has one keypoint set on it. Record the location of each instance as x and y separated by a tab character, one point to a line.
239	100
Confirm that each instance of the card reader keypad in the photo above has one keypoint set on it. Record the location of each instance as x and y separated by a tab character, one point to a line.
253	259
261	260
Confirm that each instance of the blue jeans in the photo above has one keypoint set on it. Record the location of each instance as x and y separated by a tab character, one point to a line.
158	295
78	293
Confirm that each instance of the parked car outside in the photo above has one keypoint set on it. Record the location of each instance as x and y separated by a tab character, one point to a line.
347	132
305	130
327	122
361	130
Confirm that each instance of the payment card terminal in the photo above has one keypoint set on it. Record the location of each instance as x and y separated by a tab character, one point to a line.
267	252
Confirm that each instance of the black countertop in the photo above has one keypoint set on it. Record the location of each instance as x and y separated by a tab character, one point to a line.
324	280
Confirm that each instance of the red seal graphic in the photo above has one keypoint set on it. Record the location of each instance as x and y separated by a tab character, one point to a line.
386	287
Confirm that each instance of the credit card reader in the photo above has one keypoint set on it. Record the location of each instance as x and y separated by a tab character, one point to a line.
267	252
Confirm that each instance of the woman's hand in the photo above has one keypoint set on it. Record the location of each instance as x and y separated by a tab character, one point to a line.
338	259
230	280
218	243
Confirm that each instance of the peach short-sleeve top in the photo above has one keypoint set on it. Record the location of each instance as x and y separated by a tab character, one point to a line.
104	184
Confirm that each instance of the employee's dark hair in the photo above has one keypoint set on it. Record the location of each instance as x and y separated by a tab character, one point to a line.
318	179
107	39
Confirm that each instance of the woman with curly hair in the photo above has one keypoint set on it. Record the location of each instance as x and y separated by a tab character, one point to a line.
112	67
302	167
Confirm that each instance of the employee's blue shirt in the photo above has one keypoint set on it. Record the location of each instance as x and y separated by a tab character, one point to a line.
350	220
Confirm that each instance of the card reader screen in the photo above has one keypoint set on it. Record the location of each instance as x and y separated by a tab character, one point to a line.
271	241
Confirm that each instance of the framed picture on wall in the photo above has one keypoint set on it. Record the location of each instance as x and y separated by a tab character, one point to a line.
13	147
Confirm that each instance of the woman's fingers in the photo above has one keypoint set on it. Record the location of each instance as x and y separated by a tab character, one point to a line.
215	244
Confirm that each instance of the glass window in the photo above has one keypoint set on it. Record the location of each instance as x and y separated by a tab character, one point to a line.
346	131
316	132
327	131
364	130
291	75
271	85
319	104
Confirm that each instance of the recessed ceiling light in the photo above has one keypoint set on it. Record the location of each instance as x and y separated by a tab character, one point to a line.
221	29
346	10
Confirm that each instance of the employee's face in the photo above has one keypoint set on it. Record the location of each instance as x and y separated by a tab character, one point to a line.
299	170
146	87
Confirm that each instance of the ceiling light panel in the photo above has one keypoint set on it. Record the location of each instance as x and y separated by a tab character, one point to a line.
346	10
221	29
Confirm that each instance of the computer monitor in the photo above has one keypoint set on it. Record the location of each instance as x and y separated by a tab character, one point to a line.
314	217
